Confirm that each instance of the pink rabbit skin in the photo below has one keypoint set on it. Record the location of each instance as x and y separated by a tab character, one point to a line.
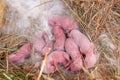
86	47
65	22
20	54
47	49
55	58
59	38
73	50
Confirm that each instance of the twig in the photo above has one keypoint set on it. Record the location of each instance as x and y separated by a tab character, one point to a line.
43	64
7	76
88	73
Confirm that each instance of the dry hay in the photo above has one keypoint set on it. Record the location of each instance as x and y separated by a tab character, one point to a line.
2	10
99	20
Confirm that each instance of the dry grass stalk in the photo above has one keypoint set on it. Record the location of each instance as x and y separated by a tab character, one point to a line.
2	10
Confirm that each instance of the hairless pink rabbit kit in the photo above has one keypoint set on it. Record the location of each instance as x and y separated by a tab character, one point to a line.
49	28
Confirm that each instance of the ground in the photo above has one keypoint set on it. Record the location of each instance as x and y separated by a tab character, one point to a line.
99	20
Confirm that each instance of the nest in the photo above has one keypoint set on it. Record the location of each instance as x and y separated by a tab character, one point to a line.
99	20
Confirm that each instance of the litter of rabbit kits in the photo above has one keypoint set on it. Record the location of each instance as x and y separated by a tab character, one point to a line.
49	24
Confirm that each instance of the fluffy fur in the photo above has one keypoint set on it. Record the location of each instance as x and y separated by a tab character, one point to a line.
30	17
